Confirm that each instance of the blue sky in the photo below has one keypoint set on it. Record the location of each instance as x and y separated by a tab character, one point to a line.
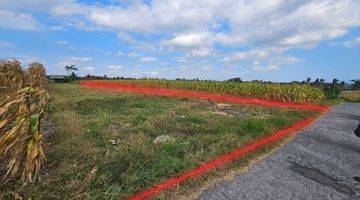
253	39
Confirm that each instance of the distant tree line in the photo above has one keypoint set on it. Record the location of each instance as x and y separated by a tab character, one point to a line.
331	89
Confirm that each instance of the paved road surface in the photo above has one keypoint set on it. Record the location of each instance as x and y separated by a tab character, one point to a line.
319	163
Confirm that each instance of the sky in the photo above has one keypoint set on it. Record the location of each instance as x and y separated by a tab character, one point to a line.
277	40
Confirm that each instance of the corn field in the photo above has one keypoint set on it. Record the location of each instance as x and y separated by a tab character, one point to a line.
299	93
23	97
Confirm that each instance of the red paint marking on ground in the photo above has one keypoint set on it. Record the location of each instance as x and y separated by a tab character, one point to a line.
224	159
199	95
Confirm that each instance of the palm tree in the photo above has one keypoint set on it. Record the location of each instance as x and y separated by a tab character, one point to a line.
335	81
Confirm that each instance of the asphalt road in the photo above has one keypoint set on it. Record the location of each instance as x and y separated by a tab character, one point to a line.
320	163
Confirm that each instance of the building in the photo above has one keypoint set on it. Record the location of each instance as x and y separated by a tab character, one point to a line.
57	78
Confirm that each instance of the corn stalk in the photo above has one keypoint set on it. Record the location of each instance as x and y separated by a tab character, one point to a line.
21	112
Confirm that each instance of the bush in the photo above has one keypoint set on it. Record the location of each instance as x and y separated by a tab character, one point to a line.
332	91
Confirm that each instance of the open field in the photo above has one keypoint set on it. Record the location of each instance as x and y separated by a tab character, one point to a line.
104	142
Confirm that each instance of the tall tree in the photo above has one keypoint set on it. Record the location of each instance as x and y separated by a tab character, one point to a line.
71	69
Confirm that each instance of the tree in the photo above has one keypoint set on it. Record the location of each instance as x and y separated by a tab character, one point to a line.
335	81
355	84
71	69
332	90
238	80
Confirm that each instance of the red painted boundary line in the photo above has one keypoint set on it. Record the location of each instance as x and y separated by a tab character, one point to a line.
224	159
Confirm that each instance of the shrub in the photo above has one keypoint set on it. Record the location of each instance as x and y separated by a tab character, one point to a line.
332	91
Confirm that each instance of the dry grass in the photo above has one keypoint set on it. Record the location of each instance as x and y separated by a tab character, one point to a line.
352	96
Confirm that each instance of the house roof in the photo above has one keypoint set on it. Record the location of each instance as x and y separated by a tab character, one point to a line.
57	76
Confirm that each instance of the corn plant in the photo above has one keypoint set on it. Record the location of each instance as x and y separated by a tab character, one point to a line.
300	93
11	77
21	110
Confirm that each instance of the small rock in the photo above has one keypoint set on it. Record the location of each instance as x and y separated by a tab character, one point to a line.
224	106
185	143
113	142
162	139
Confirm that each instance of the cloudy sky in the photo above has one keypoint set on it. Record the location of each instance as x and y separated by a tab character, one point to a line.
278	40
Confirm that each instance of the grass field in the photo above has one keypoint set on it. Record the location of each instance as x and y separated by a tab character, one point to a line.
103	142
353	96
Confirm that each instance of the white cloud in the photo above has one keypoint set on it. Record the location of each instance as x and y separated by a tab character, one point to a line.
255	22
5	44
153	73
180	59
25	60
285	23
66	44
281	22
285	60
68	8
79	59
353	42
19	21
120	54
88	69
274	63
148	59
133	55
189	40
127	38
114	67
73	61
259	53
158	16
53	7
257	67
62	42
57	28
206	67
184	68
200	52
144	74
265	29
311	38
